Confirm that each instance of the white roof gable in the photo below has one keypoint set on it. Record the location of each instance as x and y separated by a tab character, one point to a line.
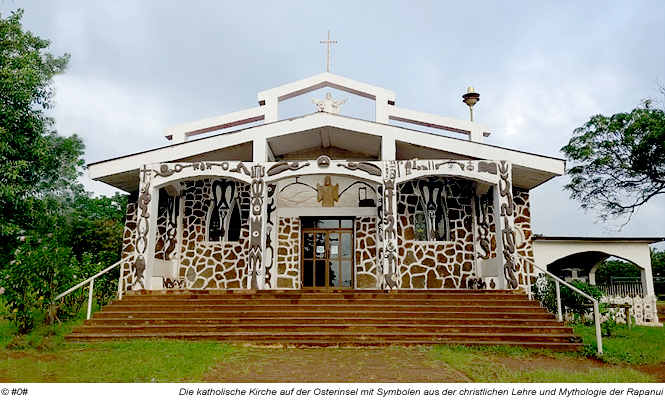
529	170
268	109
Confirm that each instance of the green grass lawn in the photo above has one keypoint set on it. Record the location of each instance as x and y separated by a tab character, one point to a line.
131	361
482	364
641	345
44	356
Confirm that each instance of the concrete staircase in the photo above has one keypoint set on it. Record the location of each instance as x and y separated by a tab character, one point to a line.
358	318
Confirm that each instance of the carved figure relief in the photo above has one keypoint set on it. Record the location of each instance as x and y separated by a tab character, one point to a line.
507	232
430	264
270	226
167	226
224	204
285	166
433	195
327	194
212	265
323	161
483	215
389	254
256	225
143	228
328	104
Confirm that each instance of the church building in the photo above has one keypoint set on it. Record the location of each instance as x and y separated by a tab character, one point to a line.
324	201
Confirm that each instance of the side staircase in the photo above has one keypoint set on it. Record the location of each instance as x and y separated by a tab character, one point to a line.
358	318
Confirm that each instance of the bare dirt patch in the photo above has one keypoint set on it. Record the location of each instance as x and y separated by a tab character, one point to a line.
548	363
313	365
656	371
334	365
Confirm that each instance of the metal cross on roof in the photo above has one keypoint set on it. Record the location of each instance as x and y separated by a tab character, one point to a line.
327	43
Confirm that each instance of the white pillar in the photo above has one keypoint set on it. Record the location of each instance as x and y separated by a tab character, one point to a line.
271	109
389	225
476	135
146	235
647	281
504	215
381	114
256	228
259	150
388	147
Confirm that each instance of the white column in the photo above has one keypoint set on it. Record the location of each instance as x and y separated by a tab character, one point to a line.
504	214
498	228
388	148
259	150
271	221
271	109
146	232
476	135
381	114
389	225
153	209
256	228
647	281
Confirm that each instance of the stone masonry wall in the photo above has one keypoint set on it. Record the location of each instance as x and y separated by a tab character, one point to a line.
368	272
211	265
524	243
436	265
288	253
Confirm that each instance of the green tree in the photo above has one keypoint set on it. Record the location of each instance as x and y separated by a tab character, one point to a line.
37	167
618	162
658	269
95	225
616	269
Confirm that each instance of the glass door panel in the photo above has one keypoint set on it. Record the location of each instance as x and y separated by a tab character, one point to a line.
308	273
320	273
333	274
347	274
327	253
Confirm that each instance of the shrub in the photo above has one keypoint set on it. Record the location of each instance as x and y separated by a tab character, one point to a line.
41	270
545	291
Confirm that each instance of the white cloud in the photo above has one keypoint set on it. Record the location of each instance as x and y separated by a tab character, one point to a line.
112	120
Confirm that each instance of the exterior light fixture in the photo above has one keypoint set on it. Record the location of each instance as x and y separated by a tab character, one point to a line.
471	98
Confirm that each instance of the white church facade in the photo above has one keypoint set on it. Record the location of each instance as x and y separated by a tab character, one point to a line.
328	202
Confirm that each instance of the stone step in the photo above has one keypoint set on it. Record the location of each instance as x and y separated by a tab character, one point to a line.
296	337
365	308
350	343
286	313
340	329
331	318
151	320
221	295
311	301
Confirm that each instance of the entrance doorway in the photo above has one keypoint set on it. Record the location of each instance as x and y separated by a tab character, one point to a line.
327	253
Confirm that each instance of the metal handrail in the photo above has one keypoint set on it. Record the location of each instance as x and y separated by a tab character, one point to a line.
91	281
596	308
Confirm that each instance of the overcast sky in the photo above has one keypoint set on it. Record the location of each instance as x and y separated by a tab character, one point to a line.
542	69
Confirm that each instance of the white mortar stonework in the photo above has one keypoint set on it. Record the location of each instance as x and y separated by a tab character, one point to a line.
128	245
211	265
368	270
288	253
436	265
524	244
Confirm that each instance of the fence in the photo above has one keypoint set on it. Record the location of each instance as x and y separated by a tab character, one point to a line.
622	290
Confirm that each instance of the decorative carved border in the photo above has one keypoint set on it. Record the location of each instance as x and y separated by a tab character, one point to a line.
389	222
256	225
507	209
142	228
